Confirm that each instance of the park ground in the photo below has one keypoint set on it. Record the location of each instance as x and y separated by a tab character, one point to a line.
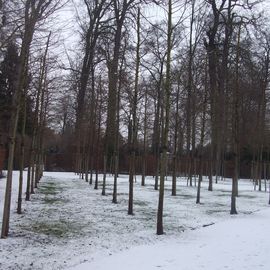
69	225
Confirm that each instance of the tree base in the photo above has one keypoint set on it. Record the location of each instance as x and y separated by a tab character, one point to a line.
233	212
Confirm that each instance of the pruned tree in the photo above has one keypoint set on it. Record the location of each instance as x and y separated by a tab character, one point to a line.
121	10
165	130
134	119
97	17
34	12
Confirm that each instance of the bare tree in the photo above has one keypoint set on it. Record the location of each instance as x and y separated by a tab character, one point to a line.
165	130
96	11
134	118
120	12
34	11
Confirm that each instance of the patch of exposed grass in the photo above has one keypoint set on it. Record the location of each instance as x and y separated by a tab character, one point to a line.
220	204
222	195
146	214
57	229
223	191
248	196
185	196
53	200
140	203
215	211
50	188
150	220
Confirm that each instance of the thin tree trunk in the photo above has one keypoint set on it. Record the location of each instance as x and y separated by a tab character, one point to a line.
175	141
19	204
157	130
236	130
174	175
134	120
131	181
203	120
269	193
157	170
210	171
198	197
104	175
264	176
144	140
166	123
116	153
12	133
98	136
114	200
28	183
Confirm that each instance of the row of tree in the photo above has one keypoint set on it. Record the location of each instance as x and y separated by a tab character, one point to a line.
187	85
24	91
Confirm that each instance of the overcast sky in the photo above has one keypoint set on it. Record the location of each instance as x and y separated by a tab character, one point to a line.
68	28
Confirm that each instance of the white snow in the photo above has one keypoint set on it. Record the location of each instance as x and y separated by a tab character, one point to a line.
69	225
235	244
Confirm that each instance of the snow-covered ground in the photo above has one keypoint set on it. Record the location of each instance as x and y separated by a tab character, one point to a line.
69	225
241	244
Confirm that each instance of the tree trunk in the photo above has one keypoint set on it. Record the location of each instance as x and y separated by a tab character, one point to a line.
157	129
19	204
165	130
210	172
131	181
269	193
98	135
175	141
236	129
203	120
134	119
16	100
144	140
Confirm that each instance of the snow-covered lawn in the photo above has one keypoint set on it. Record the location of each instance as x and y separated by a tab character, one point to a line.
241	244
68	223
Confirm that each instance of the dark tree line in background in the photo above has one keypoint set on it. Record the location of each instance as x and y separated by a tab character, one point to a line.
185	94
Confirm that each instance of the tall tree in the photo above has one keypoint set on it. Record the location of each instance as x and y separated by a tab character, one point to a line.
34	11
235	126
165	130
134	118
212	50
121	9
96	11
